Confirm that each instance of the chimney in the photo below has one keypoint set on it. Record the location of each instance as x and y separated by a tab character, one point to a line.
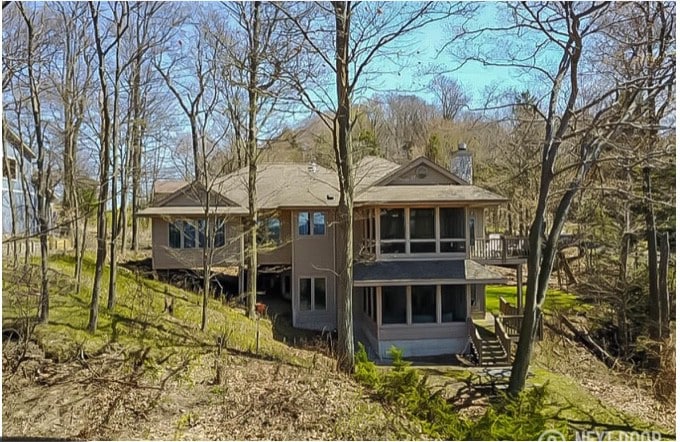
461	163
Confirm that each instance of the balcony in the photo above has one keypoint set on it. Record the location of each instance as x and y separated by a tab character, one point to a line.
500	250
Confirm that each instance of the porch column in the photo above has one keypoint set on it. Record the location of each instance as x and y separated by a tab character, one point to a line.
519	287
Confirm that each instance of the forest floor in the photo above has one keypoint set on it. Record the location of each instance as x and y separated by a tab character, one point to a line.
148	375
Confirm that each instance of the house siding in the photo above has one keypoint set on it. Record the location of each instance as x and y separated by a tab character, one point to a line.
313	256
19	201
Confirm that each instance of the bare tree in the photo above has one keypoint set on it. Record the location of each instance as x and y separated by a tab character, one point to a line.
452	98
580	115
30	17
346	38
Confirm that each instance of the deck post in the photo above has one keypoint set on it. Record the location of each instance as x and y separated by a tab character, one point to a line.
519	288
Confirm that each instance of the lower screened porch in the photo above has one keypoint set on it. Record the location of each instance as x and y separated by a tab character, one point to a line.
423	319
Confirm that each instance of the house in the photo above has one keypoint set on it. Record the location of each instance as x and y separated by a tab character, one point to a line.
419	245
18	191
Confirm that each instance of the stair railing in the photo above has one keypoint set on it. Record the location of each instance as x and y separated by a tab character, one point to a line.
475	339
503	338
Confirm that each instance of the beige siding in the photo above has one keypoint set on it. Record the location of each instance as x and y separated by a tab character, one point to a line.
284	253
314	257
165	257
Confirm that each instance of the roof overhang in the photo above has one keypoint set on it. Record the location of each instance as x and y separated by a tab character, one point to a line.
420	272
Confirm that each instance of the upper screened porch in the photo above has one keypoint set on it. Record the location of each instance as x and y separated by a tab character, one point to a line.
435	232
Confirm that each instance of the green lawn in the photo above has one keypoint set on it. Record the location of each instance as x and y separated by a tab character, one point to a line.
137	321
556	300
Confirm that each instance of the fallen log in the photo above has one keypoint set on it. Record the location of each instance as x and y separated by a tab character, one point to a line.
587	341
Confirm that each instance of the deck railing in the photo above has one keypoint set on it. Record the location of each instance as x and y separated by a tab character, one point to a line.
503	248
511	317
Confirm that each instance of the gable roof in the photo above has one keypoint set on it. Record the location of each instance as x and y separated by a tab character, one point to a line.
300	185
168	186
420	161
188	189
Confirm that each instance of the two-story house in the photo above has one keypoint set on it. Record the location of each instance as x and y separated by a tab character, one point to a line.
18	192
416	232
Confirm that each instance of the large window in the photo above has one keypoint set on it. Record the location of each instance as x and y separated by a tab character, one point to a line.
454	305
423	304
190	234
429	230
312	293
394	305
174	235
311	223
269	231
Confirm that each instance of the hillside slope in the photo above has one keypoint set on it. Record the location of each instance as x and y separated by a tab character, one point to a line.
148	375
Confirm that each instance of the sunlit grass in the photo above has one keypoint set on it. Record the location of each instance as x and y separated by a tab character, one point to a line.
138	320
555	300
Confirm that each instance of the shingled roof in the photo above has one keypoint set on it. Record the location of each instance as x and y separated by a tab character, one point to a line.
395	272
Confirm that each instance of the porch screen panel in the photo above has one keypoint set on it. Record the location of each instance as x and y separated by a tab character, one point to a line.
452	230
220	236
454	305
394	305
423	304
392	231
422	229
189	235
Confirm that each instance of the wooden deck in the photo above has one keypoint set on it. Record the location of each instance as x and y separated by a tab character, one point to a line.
502	250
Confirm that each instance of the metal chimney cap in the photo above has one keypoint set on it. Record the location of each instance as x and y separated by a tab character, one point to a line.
462	146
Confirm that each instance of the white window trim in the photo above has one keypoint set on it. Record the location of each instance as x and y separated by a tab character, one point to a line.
310	214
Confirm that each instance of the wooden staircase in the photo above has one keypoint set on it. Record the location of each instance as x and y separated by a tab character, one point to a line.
489	349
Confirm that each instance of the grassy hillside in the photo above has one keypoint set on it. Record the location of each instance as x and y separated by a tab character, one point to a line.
148	375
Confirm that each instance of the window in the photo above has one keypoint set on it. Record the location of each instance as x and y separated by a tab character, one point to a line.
452	230
454	308
394	305
9	168
174	235
269	231
192	233
423	304
421	230
201	233
312	294
220	235
305	220
189	235
392	231
319	293
319	223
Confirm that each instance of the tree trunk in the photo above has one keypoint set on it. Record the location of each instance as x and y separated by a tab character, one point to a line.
253	63
104	160
344	162
663	286
650	222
